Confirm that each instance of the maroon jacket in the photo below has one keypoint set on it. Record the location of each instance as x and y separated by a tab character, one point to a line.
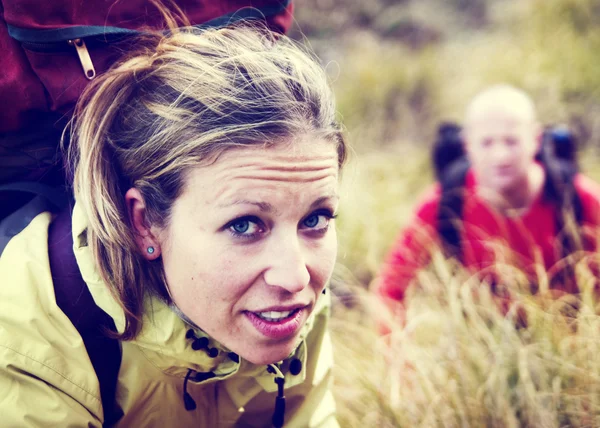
42	73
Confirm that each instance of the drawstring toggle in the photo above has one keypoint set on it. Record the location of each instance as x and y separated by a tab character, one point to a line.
279	413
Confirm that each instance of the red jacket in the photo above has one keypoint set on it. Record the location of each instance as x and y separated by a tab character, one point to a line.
531	236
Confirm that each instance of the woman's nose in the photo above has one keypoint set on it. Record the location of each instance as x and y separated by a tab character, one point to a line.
287	266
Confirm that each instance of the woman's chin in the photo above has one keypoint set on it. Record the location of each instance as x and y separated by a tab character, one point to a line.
263	355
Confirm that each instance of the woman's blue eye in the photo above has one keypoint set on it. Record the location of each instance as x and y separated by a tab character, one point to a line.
241	226
311	221
246	227
317	221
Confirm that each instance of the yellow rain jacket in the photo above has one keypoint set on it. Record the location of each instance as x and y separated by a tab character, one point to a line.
47	379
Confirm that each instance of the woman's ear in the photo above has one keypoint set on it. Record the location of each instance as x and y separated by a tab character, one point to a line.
147	243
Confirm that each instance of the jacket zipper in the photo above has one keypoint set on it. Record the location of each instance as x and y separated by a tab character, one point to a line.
84	58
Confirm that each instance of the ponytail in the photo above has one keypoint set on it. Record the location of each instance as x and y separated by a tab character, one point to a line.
99	187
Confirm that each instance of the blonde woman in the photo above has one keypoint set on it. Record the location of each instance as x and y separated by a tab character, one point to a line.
205	174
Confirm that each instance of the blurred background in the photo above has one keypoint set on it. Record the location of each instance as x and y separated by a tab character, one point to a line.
398	68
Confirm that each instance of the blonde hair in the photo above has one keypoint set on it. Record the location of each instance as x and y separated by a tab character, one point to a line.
176	103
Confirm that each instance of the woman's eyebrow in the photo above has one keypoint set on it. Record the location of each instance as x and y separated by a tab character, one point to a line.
263	206
268	208
323	199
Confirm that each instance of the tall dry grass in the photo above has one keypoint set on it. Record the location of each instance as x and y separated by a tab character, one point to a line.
466	358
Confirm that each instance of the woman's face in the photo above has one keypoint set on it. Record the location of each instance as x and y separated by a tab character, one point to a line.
251	244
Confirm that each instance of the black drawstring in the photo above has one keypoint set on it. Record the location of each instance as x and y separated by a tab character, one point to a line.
197	344
188	401
202	343
279	413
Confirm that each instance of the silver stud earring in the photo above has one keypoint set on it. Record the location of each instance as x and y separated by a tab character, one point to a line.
150	250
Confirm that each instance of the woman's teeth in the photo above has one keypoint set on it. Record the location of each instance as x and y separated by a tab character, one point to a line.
274	315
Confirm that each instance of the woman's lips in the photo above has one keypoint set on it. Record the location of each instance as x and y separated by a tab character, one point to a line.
279	329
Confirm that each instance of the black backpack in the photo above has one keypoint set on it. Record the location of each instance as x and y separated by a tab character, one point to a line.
557	155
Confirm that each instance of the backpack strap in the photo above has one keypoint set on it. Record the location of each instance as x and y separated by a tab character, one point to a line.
92	323
45	198
450	165
451	204
447	148
72	294
559	189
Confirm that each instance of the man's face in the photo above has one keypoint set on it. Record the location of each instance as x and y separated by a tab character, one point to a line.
501	146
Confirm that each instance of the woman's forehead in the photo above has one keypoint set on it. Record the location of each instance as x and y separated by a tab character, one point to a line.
286	157
260	170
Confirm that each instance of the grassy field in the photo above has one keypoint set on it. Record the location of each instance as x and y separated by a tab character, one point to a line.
398	68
